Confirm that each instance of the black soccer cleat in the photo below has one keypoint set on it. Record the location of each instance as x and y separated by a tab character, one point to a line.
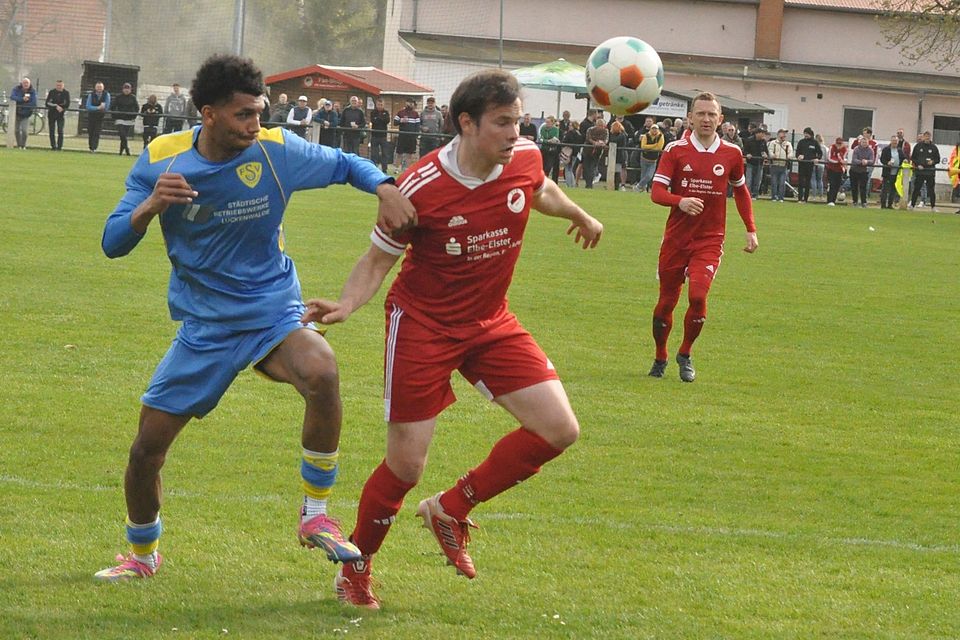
687	373
658	369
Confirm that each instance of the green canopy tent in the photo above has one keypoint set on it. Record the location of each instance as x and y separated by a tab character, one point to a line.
559	75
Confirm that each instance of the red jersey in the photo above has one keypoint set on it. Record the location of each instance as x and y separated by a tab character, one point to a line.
461	255
691	171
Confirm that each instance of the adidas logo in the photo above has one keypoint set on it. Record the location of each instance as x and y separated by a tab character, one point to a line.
710	268
687	168
457	221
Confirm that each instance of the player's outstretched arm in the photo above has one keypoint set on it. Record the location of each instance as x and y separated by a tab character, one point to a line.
362	283
552	201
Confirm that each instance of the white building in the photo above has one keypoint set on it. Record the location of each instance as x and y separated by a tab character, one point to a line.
817	63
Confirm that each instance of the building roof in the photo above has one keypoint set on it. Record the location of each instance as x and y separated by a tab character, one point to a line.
368	79
518	53
871	6
727	105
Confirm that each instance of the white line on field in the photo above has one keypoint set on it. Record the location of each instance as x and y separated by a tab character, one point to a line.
494	515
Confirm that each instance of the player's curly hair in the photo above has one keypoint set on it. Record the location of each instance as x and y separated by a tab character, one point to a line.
480	91
221	75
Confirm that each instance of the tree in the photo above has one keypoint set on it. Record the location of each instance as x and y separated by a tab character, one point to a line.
923	30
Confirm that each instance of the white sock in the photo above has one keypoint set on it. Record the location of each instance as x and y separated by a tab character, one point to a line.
150	559
312	507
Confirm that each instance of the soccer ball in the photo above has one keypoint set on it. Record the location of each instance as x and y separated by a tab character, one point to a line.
624	75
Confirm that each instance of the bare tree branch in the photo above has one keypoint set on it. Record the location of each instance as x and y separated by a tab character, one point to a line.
922	30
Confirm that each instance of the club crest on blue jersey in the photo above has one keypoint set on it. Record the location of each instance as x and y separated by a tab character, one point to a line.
250	173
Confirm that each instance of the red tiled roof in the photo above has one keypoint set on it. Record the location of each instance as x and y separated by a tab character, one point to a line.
857	5
369	79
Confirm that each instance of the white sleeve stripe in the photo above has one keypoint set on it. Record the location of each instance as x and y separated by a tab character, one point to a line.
408	192
385	242
662	179
741	181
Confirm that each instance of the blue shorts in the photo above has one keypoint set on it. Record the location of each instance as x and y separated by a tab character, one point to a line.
204	359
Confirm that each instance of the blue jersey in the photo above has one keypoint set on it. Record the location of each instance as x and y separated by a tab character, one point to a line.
226	248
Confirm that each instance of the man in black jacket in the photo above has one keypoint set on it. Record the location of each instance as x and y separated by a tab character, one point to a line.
379	149
925	158
808	153
352	120
150	112
58	101
755	153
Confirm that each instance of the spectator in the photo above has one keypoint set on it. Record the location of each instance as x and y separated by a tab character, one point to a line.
809	155
755	153
925	157
528	130
300	116
338	132
449	129
861	167
588	121
408	122
665	130
890	159
596	141
549	138
352	123
280	111
25	97
781	153
97	105
836	168
651	144
431	126
379	147
564	123
953	172
819	187
125	108
329	120
729	134
570	154
58	101
150	114
618	136
175	110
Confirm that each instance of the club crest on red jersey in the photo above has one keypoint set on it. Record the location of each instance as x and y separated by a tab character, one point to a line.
718	169
516	200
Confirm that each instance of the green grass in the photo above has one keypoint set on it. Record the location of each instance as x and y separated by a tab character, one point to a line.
804	487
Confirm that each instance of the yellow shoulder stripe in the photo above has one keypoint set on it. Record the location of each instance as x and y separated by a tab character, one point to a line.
170	145
272	135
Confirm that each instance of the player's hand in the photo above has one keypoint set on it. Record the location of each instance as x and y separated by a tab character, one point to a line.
588	229
324	312
171	188
752	243
396	212
691	206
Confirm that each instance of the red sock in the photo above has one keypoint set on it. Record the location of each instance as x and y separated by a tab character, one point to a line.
694	319
380	501
661	331
514	458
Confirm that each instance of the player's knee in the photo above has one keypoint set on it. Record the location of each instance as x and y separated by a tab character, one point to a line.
319	378
408	468
147	455
562	433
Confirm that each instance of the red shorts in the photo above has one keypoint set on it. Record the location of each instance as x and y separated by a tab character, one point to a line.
698	262
498	358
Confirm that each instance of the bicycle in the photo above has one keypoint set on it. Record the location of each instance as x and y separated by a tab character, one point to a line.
37	121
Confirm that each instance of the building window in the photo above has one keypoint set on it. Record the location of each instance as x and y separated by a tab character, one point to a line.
854	120
946	130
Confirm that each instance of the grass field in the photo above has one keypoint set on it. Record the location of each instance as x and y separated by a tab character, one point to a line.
806	486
